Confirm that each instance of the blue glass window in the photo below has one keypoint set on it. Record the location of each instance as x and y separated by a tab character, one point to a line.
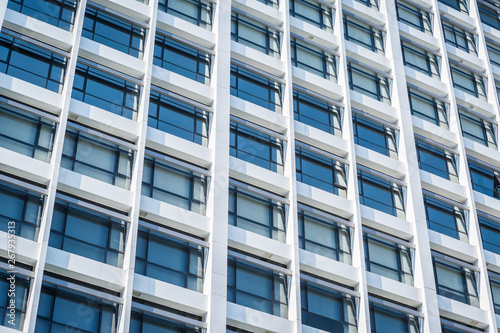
179	118
256	213
477	129
256	147
182	59
320	171
61	310
255	88
370	3
490	234
114	32
420	59
460	5
495	291
270	3
60	13
22	207
110	163
106	91
374	136
26	134
87	233
153	321
32	63
317	113
428	108
381	194
468	82
362	34
198	12
388	259
455	282
369	83
414	16
459	37
254	34
169	259
312	12
485	180
19	298
313	59
489	13
445	218
174	185
386	320
325	237
494	53
256	287
327	309
437	161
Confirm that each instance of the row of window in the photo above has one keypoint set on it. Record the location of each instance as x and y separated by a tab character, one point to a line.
129	36
114	160
324	305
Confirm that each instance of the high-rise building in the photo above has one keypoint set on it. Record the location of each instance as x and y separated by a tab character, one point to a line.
249	166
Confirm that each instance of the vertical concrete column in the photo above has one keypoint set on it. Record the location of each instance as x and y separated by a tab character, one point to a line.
414	205
136	182
215	284
48	207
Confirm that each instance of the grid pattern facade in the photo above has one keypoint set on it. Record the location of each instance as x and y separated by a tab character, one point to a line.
250	166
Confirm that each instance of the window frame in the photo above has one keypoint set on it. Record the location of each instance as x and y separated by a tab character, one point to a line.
493	175
328	60
274	88
423	16
456	212
200	58
394	189
49	16
488	129
411	322
169	103
440	107
431	59
270	34
376	35
485	8
369	124
108	222
71	158
486	223
241	130
343	299
468	297
38	120
194	174
181	245
278	307
329	162
28	194
382	83
455	31
338	252
325	14
476	79
88	72
448	157
55	59
399	251
274	207
135	30
202	7
333	112
459	5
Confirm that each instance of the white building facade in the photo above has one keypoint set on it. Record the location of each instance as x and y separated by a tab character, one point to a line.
250	166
